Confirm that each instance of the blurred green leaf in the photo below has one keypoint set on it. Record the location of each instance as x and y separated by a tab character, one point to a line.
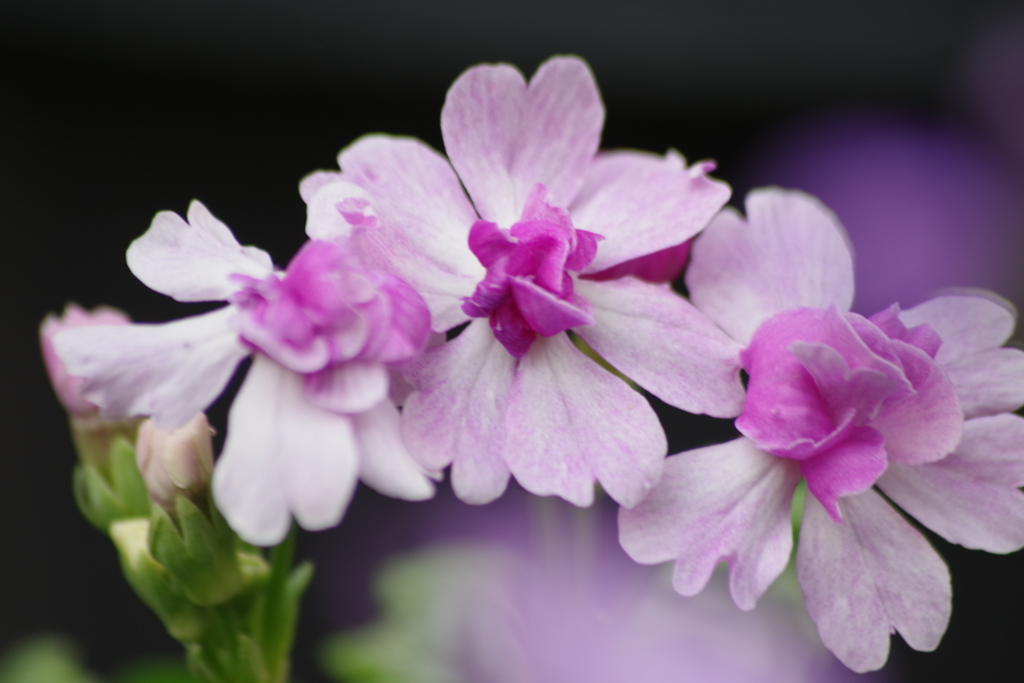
156	671
44	659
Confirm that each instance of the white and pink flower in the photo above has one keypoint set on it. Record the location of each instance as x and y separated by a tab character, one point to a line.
541	245
848	404
313	414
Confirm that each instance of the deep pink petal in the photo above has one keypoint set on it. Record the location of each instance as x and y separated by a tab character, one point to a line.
659	340
193	261
789	252
971	496
643	203
169	371
867	576
457	414
489	243
968	323
661	266
850	467
547	314
926	425
352	387
282	455
570	422
726	502
384	463
989	382
503	136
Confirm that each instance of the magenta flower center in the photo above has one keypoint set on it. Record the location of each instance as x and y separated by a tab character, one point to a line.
820	383
528	289
328	309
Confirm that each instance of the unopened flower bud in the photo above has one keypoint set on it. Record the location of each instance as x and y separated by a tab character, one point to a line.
67	388
176	463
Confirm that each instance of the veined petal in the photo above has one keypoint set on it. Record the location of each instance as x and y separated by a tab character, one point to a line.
503	136
170	371
643	203
457	414
384	463
570	422
971	496
658	339
868	575
989	382
790	252
729	502
423	222
193	261
282	454
968	323
352	387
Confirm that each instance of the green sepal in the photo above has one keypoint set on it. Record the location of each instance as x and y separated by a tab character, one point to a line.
104	501
199	552
154	584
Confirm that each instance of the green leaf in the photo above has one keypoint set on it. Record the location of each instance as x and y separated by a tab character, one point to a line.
44	659
156	671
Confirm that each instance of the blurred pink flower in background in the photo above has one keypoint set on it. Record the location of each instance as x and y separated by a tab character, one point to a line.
927	205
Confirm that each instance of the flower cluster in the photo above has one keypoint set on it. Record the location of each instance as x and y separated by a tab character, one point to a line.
502	294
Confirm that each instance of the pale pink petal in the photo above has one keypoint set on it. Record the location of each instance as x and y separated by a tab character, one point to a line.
503	136
867	576
927	425
423	221
989	382
384	463
351	387
193	261
790	251
643	203
338	208
970	497
457	414
169	371
658	339
968	323
571	422
309	185
726	502
283	454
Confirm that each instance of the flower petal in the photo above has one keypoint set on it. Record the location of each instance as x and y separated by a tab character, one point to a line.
643	203
503	137
352	387
791	251
545	313
457	414
848	468
570	422
424	218
337	208
971	496
193	261
170	371
282	454
658	339
926	425
967	323
384	463
868	575
989	382
729	502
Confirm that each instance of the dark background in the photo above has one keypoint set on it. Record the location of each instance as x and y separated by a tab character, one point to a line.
111	111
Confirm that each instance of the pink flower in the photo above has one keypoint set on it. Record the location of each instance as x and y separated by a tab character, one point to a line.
313	412
529	250
848	404
68	388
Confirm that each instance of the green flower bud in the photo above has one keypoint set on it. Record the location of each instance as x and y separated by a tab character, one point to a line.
153	583
176	463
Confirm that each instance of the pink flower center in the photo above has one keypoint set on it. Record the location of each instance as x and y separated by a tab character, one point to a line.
328	309
820	380
528	290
